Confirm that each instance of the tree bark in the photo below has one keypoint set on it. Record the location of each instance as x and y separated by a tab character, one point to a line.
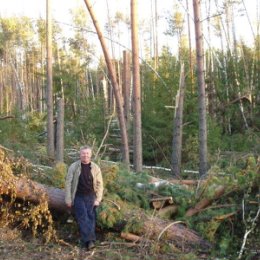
112	74
201	89
138	153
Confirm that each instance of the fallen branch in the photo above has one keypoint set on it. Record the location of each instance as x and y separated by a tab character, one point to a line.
130	236
6	149
118	244
6	117
219	206
111	201
248	230
205	202
105	136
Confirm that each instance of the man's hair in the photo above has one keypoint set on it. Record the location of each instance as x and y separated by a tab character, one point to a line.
85	147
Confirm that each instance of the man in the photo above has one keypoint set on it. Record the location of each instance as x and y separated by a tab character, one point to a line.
83	192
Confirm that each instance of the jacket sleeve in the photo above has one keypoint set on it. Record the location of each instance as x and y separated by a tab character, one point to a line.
68	184
99	185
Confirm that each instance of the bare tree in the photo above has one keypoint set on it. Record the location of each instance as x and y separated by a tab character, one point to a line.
201	89
50	127
112	74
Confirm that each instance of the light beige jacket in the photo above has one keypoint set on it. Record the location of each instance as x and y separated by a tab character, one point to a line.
72	180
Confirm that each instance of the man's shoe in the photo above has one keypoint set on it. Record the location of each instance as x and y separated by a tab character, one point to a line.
83	246
91	245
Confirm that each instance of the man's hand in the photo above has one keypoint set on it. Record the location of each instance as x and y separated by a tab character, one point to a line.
68	205
96	203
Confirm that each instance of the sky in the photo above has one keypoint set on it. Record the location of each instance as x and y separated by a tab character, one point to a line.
61	13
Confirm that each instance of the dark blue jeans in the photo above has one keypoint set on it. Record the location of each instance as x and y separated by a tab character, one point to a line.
85	214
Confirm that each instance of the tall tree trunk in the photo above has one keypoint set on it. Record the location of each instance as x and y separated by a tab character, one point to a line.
138	154
50	127
190	50
42	87
126	86
155	35
59	155
201	89
235	62
223	35
112	74
111	97
104	87
177	128
20	86
1	90
59	133
210	68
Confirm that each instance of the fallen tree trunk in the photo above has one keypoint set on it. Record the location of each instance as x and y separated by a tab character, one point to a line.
32	191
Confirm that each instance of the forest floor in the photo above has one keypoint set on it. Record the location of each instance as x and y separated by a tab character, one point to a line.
16	245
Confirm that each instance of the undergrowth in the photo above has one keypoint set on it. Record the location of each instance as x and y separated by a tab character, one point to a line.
127	197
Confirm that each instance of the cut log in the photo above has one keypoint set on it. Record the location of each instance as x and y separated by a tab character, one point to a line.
205	202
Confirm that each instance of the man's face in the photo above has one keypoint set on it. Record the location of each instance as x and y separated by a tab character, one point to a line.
85	155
